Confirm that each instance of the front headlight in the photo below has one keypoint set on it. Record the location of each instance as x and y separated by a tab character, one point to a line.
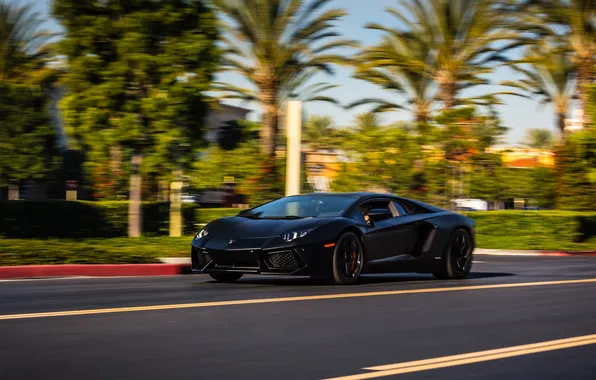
202	233
291	236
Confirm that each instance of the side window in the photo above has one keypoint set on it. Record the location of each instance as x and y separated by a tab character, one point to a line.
399	209
405	206
377	206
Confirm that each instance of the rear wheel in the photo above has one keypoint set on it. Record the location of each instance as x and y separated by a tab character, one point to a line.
457	262
225	277
348	259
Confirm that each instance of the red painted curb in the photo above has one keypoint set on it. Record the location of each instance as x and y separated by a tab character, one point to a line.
550	253
28	271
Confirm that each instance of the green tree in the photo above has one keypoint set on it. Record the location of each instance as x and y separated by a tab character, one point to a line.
277	46
460	37
23	48
318	132
28	148
466	132
484	178
137	74
549	78
250	170
376	65
576	173
380	158
539	138
574	22
366	122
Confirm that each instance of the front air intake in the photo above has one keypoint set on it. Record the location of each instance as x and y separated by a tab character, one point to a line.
284	259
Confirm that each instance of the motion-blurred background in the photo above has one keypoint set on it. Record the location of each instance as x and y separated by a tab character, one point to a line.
471	105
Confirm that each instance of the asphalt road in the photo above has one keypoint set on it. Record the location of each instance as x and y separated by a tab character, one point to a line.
329	332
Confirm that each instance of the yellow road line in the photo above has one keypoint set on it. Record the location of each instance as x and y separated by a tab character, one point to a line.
287	299
473	357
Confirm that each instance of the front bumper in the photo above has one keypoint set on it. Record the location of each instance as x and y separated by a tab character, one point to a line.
305	260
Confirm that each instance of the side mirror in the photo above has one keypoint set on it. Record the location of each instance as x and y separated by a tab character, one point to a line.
378	214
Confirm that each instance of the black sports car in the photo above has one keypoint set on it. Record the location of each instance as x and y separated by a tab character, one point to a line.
336	235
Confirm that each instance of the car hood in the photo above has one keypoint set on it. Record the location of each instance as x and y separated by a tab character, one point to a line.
239	227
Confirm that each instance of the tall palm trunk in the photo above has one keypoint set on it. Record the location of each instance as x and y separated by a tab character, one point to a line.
269	129
135	216
421	113
584	78
447	92
561	116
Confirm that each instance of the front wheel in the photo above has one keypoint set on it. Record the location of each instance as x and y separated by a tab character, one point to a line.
457	262
225	277
348	259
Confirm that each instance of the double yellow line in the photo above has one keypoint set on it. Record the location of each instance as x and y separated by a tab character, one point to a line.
469	358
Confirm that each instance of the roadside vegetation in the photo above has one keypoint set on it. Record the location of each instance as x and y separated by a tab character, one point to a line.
537	230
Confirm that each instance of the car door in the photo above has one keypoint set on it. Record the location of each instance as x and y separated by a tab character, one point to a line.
406	228
386	238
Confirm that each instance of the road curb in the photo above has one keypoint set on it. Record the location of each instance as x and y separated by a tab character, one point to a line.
92	270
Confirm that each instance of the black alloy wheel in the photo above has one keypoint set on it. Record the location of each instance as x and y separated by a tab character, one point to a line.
457	262
348	259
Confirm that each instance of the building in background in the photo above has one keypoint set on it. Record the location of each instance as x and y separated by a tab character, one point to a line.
523	157
322	166
224	114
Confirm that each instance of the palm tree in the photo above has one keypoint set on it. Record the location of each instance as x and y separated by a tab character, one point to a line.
548	78
574	21
417	86
277	46
318	131
539	138
367	121
21	42
460	37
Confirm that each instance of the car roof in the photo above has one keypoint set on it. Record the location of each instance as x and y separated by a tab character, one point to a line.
363	196
360	194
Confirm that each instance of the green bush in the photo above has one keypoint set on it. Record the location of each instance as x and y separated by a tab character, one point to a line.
535	229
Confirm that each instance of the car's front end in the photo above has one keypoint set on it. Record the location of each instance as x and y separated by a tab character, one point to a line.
302	249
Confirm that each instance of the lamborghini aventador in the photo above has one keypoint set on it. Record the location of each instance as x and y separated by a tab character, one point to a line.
338	236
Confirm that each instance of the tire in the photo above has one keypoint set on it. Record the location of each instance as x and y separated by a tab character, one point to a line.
225	277
457	261
348	259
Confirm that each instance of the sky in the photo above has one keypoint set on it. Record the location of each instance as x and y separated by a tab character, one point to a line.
518	114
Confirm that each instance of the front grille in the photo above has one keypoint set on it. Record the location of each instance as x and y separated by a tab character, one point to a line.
231	258
283	260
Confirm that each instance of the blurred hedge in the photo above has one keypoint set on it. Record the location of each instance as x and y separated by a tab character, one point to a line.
513	229
79	219
91	251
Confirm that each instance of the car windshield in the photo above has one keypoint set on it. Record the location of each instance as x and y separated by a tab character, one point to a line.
302	206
